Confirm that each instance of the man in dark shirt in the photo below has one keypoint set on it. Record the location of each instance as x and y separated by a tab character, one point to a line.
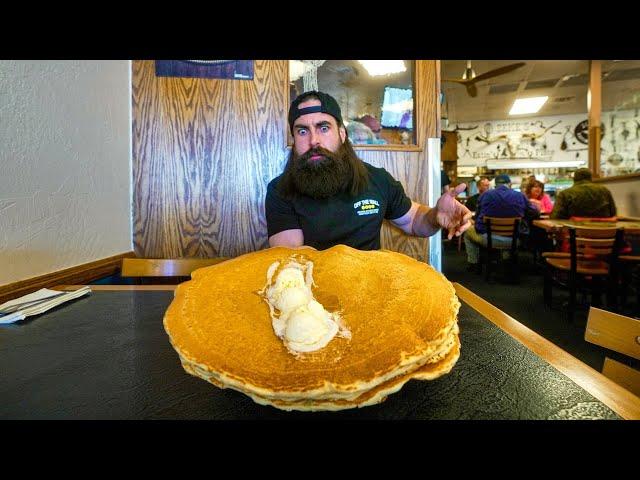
584	199
328	196
483	186
499	202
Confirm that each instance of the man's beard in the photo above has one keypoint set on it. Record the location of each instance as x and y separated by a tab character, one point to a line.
324	177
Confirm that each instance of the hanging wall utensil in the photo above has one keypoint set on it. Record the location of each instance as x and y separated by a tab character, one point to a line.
563	145
625	132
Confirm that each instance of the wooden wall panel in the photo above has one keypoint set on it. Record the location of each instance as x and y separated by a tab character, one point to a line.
204	151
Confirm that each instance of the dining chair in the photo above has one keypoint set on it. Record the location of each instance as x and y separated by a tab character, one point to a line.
620	334
164	270
592	259
504	227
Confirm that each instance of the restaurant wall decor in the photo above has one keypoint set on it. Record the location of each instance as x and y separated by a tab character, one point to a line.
222	69
551	141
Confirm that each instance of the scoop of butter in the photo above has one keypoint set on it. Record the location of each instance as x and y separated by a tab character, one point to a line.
298	319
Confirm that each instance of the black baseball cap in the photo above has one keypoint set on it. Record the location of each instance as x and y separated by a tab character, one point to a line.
502	179
328	105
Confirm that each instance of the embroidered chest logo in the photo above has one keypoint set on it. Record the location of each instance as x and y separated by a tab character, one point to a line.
367	207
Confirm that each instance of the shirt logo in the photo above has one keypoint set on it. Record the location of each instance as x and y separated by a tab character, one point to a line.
367	207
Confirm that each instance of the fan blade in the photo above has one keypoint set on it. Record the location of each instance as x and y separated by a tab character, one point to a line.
455	80
498	71
471	89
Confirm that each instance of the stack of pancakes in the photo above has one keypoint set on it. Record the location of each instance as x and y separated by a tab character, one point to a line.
401	313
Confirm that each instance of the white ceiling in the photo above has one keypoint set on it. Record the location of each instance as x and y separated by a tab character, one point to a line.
566	83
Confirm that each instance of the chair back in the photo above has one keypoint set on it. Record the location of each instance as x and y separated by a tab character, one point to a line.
591	243
503	226
613	331
164	267
620	334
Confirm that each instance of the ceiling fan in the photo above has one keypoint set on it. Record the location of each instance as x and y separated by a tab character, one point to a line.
469	77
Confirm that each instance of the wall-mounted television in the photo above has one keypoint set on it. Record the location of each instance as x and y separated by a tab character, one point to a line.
397	108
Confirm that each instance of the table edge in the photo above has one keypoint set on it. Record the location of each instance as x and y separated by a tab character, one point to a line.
617	398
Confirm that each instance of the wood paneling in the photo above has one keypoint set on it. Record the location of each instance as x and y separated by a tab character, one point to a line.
204	151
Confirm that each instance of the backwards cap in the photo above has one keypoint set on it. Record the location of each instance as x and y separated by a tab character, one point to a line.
328	105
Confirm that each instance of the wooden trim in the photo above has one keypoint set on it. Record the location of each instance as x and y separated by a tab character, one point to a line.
618	399
594	128
438	87
617	178
79	274
288	143
165	267
118	288
419	103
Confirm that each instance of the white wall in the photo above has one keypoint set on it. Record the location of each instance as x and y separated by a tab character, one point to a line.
626	193
517	145
65	167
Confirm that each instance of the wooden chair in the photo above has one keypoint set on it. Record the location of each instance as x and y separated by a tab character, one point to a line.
505	227
620	334
164	270
592	258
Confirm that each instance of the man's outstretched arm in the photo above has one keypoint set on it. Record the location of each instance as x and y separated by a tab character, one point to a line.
448	213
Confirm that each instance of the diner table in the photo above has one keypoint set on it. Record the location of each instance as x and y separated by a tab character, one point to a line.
107	356
553	228
551	224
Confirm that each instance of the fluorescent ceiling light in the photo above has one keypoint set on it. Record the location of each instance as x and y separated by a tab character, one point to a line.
383	67
527	105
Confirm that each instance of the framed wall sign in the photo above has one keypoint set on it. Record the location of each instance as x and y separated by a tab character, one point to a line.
222	69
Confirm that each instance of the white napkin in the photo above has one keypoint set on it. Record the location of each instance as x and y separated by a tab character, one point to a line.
38	308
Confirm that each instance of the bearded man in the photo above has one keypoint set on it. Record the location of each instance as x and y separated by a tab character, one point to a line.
327	196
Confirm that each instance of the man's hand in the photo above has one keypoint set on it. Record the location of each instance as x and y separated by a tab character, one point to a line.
451	215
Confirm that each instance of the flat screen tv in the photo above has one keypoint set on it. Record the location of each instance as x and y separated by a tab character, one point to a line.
397	108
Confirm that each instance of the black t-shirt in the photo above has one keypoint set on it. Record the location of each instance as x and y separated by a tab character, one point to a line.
342	219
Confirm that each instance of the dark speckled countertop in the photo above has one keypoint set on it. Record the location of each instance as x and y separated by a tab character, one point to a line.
107	356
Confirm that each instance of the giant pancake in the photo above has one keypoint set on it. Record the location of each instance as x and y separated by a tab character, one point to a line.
401	315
